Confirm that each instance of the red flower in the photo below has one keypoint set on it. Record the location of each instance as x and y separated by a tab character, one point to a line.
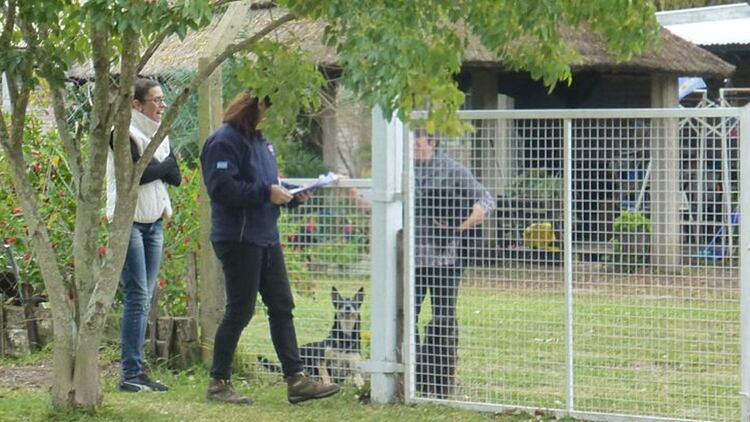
16	210
11	240
27	256
187	239
168	225
37	168
162	282
102	251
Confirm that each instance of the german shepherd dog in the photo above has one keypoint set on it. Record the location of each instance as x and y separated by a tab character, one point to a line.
338	356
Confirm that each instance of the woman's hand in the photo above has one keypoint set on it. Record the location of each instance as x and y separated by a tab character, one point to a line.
279	195
303	196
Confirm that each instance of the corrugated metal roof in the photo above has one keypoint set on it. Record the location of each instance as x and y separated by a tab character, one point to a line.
721	32
712	25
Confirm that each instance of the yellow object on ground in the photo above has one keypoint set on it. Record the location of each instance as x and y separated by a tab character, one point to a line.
540	236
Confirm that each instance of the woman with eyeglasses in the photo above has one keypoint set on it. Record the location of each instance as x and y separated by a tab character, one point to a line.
144	253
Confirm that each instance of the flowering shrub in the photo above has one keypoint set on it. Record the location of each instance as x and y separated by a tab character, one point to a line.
318	240
333	240
50	177
180	238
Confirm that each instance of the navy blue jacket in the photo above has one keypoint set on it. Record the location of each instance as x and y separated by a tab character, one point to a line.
238	173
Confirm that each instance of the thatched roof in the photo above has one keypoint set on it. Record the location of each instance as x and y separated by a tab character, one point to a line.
674	55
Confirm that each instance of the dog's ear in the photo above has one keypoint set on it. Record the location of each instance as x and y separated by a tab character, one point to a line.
360	296
335	296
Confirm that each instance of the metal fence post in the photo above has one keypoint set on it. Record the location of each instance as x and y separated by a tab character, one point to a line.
387	220
568	259
744	262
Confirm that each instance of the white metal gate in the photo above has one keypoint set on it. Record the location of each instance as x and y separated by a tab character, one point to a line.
604	285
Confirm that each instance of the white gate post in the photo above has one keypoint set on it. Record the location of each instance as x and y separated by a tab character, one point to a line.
387	220
744	188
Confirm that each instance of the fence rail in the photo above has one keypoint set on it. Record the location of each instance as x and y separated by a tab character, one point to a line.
605	285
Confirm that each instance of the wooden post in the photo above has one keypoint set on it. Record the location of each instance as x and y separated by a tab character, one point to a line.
402	295
191	288
164	337
211	285
210	104
28	315
665	178
184	351
153	313
2	324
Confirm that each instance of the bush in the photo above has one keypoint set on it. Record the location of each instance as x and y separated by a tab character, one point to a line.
181	234
630	241
535	184
51	179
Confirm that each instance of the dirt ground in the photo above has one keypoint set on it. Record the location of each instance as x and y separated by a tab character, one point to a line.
27	376
39	374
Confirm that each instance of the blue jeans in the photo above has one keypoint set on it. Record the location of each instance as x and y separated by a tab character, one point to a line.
138	281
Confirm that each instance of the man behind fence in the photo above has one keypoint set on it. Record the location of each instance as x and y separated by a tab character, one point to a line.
449	204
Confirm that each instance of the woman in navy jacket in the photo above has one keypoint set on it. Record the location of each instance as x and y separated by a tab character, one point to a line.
240	173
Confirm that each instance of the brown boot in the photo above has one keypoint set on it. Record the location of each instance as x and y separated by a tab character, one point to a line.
300	388
222	390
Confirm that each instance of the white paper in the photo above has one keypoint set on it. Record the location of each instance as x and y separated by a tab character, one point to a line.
323	180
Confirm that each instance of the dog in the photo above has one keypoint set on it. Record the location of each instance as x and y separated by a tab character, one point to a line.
338	356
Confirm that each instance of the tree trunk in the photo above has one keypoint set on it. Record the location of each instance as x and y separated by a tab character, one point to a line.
76	374
62	367
86	383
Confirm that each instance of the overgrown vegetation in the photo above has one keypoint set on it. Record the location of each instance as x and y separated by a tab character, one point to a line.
630	241
535	184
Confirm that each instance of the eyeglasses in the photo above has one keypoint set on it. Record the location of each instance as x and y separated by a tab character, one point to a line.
156	100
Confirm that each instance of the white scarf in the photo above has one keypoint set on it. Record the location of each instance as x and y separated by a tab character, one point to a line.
153	199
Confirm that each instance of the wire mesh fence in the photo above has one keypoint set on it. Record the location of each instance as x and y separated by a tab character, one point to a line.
629	307
326	247
602	280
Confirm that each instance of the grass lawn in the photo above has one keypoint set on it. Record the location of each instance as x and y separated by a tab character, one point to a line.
642	346
645	348
185	402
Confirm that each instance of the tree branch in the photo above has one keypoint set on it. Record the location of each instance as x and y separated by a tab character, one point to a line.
202	75
151	49
12	143
10	22
166	32
69	144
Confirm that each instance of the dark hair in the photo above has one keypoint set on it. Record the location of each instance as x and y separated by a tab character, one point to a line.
142	87
421	132
243	113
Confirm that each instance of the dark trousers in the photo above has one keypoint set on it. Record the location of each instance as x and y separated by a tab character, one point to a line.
248	270
442	285
437	353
